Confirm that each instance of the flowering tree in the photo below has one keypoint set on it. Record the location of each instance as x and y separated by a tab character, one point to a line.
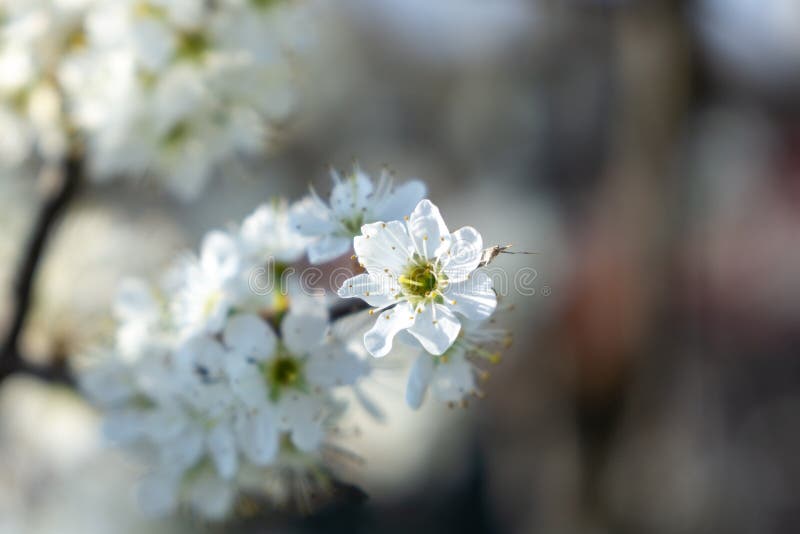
228	376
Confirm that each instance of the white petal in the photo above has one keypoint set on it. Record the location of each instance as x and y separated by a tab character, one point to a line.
222	447
109	383
249	335
219	255
258	436
158	493
378	340
307	436
372	288
268	234
183	452
418	380
454	380
368	404
301	417
328	248
428	230
473	298
436	328
123	426
200	355
311	217
209	495
401	201
466	249
302	331
246	381
333	365
350	196
384	246
134	300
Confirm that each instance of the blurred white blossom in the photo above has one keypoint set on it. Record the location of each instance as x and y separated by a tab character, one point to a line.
354	201
160	90
212	386
36	38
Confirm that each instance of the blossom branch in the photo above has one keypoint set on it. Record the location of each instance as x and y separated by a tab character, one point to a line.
54	204
344	308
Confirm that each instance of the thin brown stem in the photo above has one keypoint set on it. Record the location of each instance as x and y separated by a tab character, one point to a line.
53	206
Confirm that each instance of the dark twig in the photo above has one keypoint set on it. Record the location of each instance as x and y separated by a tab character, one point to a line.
53	206
347	307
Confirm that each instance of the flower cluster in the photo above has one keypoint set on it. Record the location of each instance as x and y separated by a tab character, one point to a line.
37	37
224	388
429	287
154	89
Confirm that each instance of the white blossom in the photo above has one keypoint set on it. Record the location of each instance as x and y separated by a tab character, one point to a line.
452	377
169	91
214	389
354	201
36	38
421	276
208	286
268	234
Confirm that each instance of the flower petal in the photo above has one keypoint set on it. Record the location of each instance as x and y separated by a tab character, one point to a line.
369	405
453	380
328	248
436	328
249	335
222	447
200	357
418	380
219	255
301	416
158	493
384	246
428	230
372	288
246	380
399	202
466	249
135	301
184	451
303	330
378	340
258	436
333	365
311	217
351	195
209	495
473	298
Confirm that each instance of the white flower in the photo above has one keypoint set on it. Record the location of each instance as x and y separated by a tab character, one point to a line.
208	285
452	376
140	317
36	37
161	491
354	201
421	275
286	381
171	92
266	234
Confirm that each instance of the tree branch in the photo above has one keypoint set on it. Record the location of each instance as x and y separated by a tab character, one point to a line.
53	205
347	307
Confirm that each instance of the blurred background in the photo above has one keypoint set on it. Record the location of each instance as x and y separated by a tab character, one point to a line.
649	151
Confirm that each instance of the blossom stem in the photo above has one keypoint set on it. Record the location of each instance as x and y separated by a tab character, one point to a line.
54	204
347	307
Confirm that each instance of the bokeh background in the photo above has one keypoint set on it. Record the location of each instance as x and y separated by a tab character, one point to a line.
648	151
